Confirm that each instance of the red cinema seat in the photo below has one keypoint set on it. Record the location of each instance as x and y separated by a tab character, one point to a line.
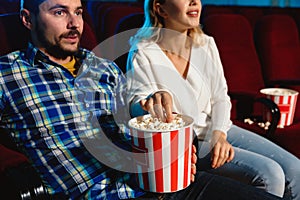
278	45
234	38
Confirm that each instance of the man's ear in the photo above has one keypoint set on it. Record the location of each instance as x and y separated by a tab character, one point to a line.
26	18
159	10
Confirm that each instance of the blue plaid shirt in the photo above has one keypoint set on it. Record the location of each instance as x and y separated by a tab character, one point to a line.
53	117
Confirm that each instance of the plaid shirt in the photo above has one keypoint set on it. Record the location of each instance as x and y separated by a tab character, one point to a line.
53	116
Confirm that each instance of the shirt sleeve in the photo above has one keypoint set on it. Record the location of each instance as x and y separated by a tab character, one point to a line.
221	104
140	81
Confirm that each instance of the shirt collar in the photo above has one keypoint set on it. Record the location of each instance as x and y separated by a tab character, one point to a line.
34	54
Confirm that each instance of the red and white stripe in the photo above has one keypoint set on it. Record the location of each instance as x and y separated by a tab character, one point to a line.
287	106
166	166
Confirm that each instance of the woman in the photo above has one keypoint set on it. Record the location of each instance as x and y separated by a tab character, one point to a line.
174	67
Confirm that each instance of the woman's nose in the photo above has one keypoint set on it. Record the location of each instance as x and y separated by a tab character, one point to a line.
193	2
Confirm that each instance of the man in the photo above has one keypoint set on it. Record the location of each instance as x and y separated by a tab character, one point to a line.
57	99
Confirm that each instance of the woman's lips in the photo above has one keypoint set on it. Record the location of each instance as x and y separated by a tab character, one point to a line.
193	13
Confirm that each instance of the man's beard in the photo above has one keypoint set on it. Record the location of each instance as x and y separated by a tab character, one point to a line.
56	50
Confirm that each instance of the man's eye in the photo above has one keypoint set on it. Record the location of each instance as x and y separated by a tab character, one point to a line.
78	12
59	12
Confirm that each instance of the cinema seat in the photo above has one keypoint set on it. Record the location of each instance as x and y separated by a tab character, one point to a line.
209	10
111	17
88	39
130	24
5	47
234	38
278	46
251	13
14	35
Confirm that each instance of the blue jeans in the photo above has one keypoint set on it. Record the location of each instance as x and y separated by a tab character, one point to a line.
258	162
213	187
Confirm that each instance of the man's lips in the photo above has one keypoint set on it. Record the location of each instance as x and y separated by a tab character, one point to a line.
72	36
72	39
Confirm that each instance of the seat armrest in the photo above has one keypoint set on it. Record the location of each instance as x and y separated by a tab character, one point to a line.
275	113
247	101
26	182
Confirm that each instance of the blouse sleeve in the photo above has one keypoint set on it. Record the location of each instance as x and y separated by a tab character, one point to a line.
140	81
220	101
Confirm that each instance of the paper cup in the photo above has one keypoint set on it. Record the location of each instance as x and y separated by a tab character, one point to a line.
166	162
286	100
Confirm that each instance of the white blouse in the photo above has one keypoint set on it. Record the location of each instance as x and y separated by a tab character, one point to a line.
202	95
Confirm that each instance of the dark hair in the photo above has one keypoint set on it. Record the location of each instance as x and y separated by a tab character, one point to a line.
31	5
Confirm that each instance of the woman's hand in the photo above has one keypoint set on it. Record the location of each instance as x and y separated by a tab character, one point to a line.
222	151
159	105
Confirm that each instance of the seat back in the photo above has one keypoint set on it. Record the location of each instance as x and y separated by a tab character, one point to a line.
252	14
5	47
88	38
210	9
112	16
14	35
234	38
130	24
97	9
278	45
10	6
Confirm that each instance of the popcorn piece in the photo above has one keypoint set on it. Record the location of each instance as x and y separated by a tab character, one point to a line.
280	126
151	123
248	121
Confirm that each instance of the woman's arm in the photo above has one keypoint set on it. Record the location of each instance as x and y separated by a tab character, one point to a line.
220	99
222	151
144	93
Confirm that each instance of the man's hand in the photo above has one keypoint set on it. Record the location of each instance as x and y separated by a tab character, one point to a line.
222	151
193	164
159	105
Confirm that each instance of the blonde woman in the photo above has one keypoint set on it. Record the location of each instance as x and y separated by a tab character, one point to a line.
174	67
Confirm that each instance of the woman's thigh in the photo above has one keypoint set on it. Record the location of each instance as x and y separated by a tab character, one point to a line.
244	139
255	143
247	167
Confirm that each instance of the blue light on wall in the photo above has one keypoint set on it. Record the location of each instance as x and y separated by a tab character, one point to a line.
280	3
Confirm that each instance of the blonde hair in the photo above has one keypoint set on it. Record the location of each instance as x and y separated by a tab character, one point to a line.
154	23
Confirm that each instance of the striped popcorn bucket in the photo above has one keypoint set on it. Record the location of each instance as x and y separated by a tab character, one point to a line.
163	158
286	100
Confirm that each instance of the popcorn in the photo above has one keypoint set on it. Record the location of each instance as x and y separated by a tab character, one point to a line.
150	123
248	121
286	101
264	125
281	92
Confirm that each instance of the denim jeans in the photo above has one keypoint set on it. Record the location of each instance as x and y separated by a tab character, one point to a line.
213	187
258	162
